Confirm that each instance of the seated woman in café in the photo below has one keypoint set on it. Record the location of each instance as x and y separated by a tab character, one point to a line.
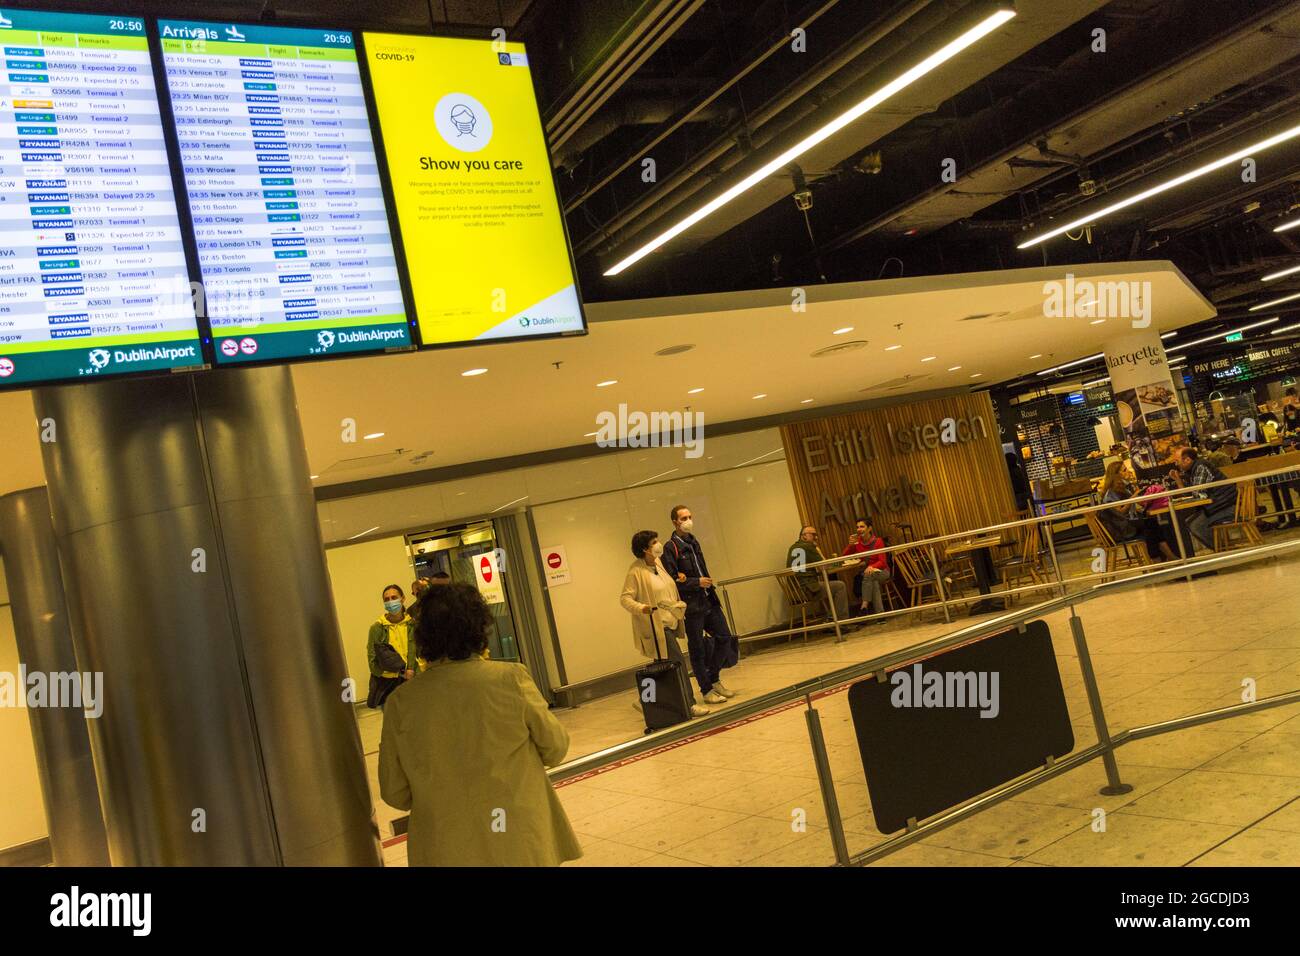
1131	523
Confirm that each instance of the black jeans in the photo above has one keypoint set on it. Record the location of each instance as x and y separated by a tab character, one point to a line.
711	651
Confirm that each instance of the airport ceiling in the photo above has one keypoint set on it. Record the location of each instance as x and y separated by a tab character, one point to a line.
1069	103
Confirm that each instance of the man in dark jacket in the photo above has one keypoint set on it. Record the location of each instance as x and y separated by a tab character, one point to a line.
709	639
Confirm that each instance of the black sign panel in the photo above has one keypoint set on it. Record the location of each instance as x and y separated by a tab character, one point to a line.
947	728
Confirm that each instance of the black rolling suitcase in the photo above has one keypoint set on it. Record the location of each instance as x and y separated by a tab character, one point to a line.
662	688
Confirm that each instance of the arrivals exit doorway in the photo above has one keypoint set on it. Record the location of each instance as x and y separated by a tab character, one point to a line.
460	552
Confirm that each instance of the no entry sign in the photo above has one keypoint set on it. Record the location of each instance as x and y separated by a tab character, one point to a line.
556	563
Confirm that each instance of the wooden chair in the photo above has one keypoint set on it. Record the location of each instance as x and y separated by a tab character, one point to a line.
1027	564
915	579
799	600
1243	521
1117	553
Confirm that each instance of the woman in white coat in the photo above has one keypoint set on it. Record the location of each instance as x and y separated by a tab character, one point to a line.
649	593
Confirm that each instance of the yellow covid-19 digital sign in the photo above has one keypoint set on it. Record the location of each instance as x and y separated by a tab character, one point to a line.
483	236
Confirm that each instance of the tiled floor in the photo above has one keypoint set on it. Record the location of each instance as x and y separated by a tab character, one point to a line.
1223	794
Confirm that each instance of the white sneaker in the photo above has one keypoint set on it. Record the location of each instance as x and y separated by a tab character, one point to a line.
699	710
723	689
713	697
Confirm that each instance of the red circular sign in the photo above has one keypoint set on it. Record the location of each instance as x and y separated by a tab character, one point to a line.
229	347
6	367
248	346
553	560
485	566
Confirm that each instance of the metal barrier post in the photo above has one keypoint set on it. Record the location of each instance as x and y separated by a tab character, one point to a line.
938	586
1178	536
824	777
1056	564
1114	785
830	605
726	605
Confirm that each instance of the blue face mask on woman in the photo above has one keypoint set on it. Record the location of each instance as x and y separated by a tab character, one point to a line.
392	607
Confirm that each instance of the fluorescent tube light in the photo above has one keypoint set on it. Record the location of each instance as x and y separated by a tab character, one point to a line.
1265	305
1219	335
1277	275
1287	226
1196	173
935	59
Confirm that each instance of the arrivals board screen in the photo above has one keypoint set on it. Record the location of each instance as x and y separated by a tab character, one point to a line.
283	183
93	277
482	233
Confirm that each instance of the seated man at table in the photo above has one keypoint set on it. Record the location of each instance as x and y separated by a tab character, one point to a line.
1195	470
868	581
805	552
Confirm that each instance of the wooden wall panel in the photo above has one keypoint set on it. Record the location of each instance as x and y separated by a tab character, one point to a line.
965	480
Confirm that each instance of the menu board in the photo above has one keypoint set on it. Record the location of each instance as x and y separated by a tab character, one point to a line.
283	183
481	226
93	278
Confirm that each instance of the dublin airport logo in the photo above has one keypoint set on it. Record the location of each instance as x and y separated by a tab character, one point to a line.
100	358
325	338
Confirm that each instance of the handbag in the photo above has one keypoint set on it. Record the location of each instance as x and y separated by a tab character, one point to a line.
380	688
386	657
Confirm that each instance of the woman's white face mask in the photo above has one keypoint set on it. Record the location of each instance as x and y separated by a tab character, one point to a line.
657	549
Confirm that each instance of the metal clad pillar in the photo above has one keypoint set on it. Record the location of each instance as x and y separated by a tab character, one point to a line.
40	615
197	584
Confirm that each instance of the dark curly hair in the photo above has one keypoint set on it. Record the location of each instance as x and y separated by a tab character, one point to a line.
453	623
641	540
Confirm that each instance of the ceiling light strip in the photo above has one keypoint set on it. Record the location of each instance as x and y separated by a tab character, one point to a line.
1251	150
947	52
1219	335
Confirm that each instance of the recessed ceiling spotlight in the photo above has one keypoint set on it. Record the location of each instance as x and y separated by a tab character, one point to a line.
314	477
1287	226
929	358
847	328
955	368
372	435
761	395
976	374
891	348
1036	355
694	391
607	382
805	401
1096	321
471	372
590	435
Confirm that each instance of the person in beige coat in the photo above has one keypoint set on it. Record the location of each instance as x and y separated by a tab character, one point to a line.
466	745
649	592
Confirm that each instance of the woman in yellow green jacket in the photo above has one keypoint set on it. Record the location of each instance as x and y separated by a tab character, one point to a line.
396	629
466	745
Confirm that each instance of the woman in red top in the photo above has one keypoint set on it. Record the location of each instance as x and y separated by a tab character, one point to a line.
866	586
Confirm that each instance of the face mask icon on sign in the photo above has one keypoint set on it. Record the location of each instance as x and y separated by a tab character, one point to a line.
462	117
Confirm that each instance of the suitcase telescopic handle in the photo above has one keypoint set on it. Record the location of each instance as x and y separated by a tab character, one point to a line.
654	636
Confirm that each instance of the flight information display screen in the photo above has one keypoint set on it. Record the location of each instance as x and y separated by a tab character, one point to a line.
283	183
482	231
93	277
